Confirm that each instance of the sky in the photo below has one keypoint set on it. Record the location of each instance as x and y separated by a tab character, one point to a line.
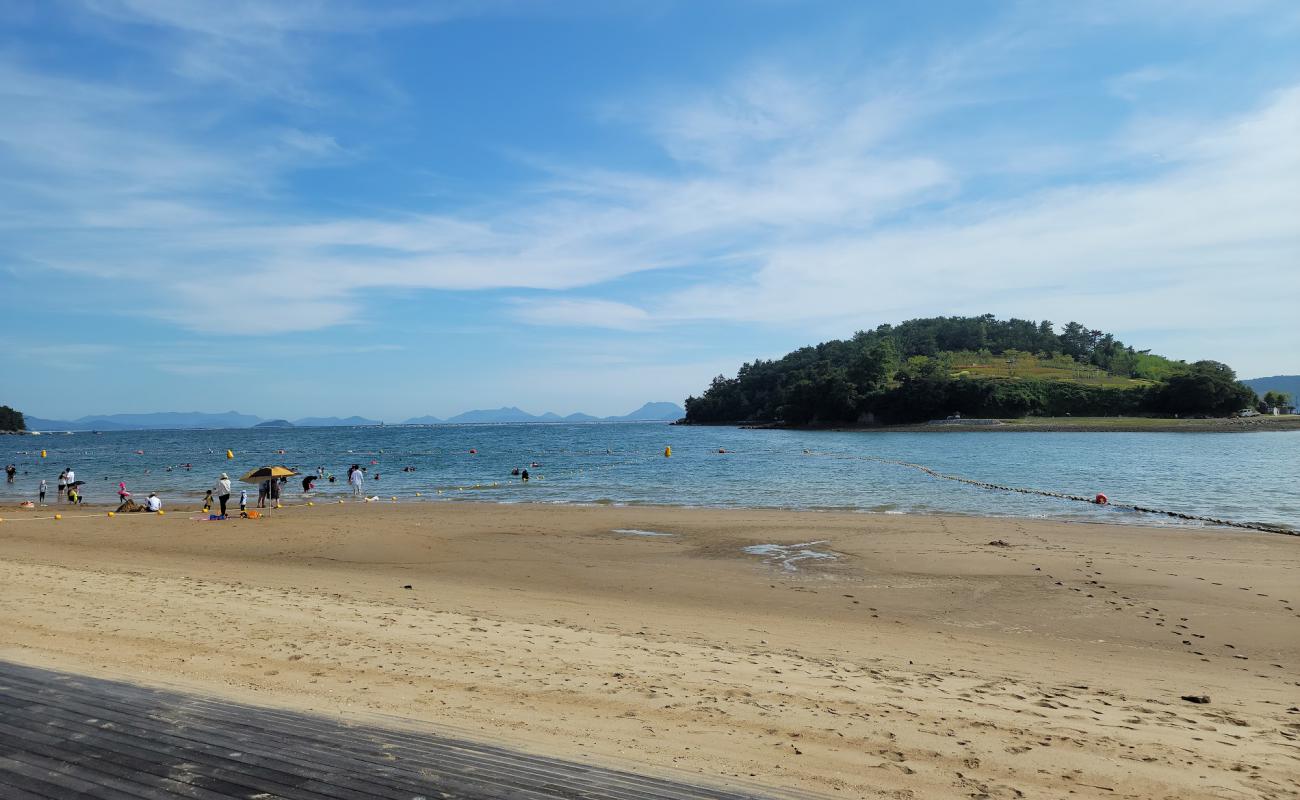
394	209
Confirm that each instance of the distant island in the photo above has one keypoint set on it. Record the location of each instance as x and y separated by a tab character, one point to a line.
650	412
983	367
11	419
1282	384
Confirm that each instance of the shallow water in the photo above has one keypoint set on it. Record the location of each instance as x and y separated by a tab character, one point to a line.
1238	476
788	556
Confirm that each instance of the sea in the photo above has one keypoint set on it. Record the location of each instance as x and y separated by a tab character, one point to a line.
1245	477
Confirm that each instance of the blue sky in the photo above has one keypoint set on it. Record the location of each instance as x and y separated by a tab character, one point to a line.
395	209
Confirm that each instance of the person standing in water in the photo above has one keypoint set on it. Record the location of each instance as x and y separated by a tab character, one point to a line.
63	484
44	485
356	477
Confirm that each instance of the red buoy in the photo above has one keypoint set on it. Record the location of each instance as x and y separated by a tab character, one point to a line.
473	452
1101	499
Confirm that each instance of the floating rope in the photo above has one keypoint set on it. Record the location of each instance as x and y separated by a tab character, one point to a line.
1254	526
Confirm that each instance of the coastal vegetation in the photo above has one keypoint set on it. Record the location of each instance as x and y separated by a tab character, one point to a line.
11	419
976	366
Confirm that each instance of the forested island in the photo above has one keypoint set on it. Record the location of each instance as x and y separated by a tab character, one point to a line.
11	420
933	368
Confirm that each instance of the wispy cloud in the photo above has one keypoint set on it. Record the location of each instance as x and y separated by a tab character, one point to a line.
786	194
580	313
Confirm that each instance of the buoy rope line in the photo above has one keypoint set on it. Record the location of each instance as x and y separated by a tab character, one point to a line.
1254	526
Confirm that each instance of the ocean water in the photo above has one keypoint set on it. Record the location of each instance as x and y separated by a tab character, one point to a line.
1249	477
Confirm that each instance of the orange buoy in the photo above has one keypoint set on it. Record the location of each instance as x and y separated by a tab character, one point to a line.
1101	499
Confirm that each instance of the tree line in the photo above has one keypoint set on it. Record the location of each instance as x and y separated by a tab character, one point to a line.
11	419
905	373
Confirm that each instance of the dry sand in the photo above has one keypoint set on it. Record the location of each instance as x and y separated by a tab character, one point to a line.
922	661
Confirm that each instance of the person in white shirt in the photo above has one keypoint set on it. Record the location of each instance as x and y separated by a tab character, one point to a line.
155	504
222	490
357	479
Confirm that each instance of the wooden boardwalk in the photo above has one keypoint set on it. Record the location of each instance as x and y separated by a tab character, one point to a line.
65	736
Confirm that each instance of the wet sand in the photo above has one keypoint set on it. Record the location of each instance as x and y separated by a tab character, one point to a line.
884	656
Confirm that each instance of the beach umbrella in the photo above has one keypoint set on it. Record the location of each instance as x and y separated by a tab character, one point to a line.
77	483
267	473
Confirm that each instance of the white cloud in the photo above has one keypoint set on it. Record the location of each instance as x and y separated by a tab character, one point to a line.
1210	241
792	199
580	313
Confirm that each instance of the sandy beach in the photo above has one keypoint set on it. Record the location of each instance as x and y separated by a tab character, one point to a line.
885	656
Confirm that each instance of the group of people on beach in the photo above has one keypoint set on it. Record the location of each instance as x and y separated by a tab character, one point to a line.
68	485
268	495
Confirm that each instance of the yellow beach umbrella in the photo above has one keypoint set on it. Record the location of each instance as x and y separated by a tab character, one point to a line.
267	473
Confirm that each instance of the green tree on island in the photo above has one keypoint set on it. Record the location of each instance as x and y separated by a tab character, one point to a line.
11	420
1274	399
980	366
1206	387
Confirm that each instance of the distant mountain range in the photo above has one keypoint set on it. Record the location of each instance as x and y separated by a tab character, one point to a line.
166	420
650	412
179	420
1277	383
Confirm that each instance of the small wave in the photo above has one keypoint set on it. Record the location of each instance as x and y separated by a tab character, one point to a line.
635	532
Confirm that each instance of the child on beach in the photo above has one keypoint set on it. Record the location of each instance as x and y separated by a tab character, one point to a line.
42	492
207	501
243	500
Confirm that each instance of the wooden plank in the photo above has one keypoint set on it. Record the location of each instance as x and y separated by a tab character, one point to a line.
73	722
547	768
64	735
155	776
43	772
479	774
238	775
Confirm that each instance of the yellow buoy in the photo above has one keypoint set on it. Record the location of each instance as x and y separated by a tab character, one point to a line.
340	502
417	494
58	516
230	454
110	513
42	454
668	452
394	497
310	503
161	512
